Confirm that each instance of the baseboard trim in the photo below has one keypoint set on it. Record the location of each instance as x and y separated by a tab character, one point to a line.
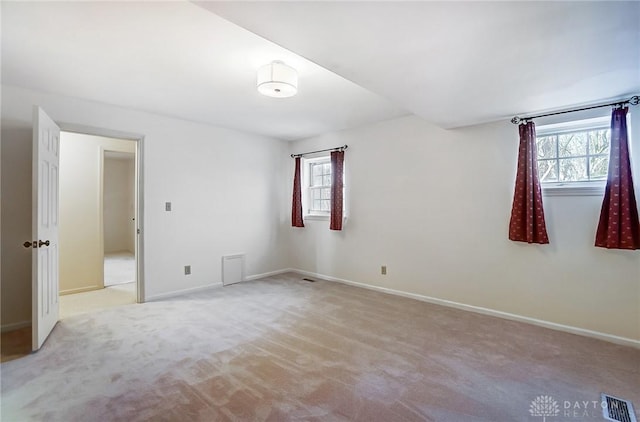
269	274
14	326
480	310
176	293
182	292
79	290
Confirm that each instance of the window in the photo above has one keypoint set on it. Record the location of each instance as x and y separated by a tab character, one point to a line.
316	188
573	158
319	187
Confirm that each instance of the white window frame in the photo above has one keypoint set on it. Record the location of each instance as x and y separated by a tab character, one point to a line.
578	188
307	214
307	199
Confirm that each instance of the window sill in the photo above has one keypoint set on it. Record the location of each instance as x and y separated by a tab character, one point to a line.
574	189
321	217
314	217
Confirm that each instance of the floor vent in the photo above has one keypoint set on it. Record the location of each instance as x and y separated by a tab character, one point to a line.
308	279
616	409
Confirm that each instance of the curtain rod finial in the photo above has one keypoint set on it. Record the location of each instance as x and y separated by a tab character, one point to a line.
516	120
635	100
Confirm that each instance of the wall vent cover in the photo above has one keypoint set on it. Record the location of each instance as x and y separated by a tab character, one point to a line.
232	269
617	410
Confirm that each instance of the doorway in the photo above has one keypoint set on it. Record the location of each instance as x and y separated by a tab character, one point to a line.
98	230
118	211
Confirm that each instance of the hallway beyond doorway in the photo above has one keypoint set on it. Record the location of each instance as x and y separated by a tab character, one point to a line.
119	268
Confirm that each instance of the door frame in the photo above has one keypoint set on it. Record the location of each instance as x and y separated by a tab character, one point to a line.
139	195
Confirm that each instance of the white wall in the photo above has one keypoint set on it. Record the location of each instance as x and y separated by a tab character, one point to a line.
226	188
434	206
118	205
81	234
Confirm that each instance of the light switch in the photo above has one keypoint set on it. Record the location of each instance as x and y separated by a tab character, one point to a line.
167	206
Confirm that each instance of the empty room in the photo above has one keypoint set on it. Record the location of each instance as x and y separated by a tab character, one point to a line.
320	211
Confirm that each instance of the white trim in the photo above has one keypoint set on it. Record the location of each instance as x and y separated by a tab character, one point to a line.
80	290
139	194
15	326
603	122
574	189
317	217
269	274
485	311
176	293
182	292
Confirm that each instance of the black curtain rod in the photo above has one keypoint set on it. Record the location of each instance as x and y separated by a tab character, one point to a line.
342	148
633	101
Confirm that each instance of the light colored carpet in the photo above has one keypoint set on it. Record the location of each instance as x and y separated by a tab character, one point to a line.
80	303
283	349
119	267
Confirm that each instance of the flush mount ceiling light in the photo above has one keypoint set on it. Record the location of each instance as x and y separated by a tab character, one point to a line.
277	80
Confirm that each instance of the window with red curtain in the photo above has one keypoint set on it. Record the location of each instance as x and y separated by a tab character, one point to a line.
618	227
527	214
337	185
296	207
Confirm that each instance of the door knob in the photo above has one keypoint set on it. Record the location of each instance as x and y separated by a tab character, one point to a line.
33	244
45	243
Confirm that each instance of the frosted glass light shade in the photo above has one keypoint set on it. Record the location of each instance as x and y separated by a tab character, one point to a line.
277	80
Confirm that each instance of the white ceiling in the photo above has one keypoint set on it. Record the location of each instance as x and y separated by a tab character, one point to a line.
462	63
453	63
175	59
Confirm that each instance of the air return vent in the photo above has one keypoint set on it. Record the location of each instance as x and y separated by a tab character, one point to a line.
616	409
232	269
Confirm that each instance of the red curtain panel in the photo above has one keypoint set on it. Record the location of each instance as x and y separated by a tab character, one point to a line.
618	227
337	183
296	207
527	214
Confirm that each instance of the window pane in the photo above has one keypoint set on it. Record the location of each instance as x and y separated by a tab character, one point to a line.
327	168
573	169
598	167
325	205
326	193
547	171
547	146
572	144
315	194
316	170
316	204
317	181
326	180
599	141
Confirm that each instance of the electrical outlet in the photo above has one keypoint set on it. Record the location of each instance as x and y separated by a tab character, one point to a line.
187	269
167	206
383	270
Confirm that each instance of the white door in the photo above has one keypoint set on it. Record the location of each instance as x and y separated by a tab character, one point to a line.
46	158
